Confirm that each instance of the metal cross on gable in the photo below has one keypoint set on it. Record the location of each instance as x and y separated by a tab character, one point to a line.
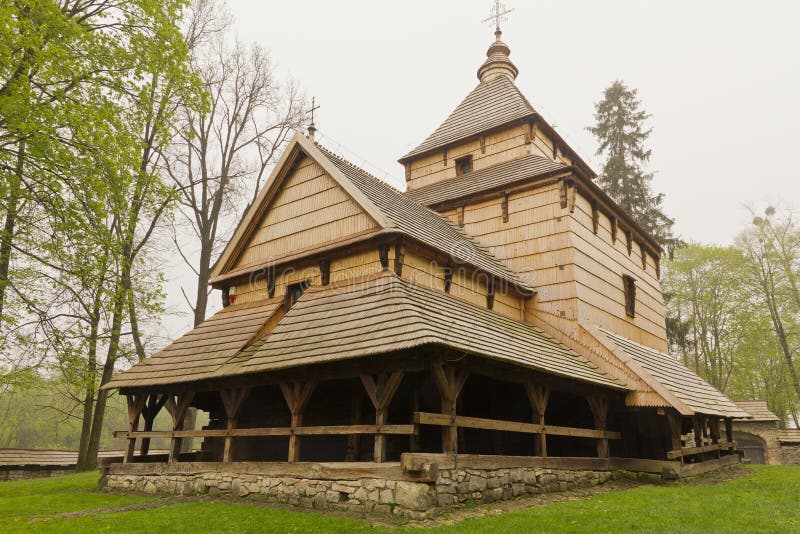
498	13
314	107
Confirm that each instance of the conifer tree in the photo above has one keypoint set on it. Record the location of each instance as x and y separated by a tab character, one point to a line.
621	132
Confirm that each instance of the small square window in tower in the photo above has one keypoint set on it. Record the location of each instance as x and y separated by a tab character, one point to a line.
463	165
294	292
629	287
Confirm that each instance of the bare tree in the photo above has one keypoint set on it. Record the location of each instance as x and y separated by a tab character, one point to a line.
228	147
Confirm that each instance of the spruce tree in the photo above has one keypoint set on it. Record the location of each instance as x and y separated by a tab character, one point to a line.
621	132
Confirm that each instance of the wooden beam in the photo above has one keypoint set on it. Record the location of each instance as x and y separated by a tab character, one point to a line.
613	221
538	396
136	404
325	271
399	256
381	394
296	395
449	380
354	440
595	217
441	419
154	404
688	451
324	430
675	428
643	252
232	401
383	255
176	406
599	407
504	205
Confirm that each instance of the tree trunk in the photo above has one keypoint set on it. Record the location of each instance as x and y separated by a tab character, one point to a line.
108	370
7	238
203	274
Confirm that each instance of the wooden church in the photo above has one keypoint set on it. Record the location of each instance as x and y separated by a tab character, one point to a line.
502	310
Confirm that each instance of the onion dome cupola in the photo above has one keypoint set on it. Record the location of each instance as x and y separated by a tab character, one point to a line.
497	61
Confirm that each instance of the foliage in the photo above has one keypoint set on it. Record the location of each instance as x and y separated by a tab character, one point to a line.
620	131
733	315
764	501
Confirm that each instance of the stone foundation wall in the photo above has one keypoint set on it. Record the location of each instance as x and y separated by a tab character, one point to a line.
22	473
790	454
403	498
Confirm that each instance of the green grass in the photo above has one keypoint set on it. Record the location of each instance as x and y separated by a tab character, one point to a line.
766	501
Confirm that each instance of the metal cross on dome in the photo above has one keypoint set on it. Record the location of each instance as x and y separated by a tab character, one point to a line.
498	13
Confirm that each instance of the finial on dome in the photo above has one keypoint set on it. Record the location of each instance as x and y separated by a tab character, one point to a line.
497	57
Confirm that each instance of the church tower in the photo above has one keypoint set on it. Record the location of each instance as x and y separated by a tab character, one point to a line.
498	169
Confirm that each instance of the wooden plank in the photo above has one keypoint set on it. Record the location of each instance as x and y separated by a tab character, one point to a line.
402	430
689	470
437	419
688	451
416	462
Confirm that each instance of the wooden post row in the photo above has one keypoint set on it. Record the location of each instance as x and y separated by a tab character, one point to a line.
153	405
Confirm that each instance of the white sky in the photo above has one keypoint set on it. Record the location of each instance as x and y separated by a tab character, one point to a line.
720	78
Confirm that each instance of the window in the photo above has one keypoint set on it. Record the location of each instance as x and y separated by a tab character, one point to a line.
463	165
294	292
629	286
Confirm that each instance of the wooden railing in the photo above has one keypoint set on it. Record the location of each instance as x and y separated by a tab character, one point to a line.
425	418
329	430
688	451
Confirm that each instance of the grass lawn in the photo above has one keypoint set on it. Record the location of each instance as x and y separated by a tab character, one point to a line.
768	500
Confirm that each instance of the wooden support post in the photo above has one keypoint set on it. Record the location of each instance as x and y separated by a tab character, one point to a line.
599	407
674	422
297	395
538	397
381	394
414	438
136	403
232	401
729	429
697	426
450	381
354	440
176	406
151	409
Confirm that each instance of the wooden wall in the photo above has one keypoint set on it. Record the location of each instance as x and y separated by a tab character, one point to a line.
309	211
599	264
466	285
511	143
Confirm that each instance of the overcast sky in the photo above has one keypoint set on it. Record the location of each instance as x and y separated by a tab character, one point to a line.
721	80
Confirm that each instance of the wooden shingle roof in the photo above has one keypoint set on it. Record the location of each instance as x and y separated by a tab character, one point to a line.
491	104
692	390
423	224
492	178
200	352
757	410
384	313
789	435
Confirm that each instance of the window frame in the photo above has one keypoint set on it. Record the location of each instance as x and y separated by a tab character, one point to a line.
629	291
459	161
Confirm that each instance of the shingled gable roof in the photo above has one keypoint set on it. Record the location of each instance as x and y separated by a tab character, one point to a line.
486	180
384	313
201	351
757	410
423	224
691	390
392	211
491	104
